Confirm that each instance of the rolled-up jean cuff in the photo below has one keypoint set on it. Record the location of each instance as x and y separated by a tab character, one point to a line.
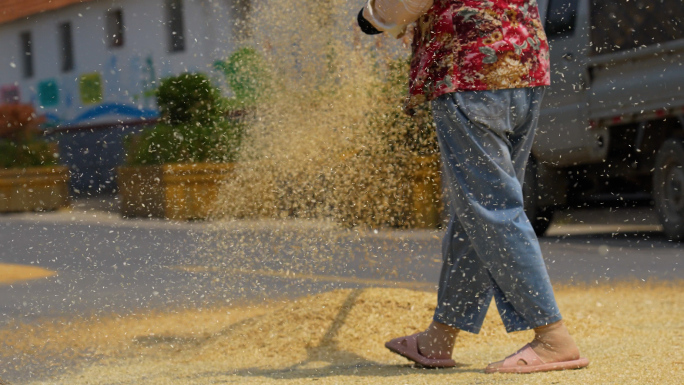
475	327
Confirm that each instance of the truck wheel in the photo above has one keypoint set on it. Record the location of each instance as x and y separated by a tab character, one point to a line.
539	217
668	187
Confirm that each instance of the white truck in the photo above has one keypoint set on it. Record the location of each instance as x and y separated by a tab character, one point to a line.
612	123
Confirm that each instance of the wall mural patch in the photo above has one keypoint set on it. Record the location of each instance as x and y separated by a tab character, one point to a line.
90	86
143	79
9	94
68	92
48	93
134	76
112	79
149	83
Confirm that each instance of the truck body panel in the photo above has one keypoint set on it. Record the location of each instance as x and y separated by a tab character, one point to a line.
635	82
592	90
612	121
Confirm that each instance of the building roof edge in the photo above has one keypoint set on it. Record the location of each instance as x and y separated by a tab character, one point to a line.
11	10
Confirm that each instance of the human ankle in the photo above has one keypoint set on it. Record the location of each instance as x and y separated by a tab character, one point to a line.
447	332
553	342
551	332
437	341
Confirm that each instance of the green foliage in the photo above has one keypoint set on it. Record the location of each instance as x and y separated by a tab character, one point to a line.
246	75
193	126
26	154
414	133
20	145
189	143
189	97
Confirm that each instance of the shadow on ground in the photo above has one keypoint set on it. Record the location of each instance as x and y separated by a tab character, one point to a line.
322	360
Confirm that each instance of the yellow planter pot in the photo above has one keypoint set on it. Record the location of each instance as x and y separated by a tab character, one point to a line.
172	191
34	188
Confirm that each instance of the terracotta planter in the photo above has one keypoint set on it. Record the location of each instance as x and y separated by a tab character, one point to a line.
172	191
426	192
34	188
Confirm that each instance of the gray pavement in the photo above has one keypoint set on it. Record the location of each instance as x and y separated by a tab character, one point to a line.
106	263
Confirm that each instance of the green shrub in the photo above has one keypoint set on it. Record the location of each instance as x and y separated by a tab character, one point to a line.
19	145
26	154
246	75
193	126
189	98
190	143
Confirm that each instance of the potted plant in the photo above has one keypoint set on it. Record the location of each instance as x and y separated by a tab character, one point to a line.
30	178
174	170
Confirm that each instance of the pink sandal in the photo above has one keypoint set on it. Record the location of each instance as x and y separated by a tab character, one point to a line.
408	347
533	363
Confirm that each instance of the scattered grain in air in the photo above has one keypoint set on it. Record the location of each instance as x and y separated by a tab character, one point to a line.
322	171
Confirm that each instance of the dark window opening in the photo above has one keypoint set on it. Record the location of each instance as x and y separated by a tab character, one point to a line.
560	19
174	14
26	54
115	28
67	46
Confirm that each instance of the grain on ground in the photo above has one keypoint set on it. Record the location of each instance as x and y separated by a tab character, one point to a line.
632	333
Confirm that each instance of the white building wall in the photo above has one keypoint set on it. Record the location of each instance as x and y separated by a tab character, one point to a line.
127	74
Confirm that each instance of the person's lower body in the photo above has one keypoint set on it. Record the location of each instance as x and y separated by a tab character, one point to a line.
490	248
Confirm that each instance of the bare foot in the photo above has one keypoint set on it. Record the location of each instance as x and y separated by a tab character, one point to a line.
552	343
437	341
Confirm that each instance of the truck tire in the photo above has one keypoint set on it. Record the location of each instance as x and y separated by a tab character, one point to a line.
539	217
668	187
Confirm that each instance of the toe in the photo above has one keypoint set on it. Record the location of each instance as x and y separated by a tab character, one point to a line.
494	366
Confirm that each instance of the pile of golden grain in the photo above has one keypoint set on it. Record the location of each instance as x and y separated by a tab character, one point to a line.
633	334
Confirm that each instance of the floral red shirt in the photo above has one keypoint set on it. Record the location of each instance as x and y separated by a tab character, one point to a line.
475	45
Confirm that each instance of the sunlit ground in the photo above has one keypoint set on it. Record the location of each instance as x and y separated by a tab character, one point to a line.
12	273
632	332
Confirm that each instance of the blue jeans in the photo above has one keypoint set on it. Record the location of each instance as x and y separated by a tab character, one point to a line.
490	248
